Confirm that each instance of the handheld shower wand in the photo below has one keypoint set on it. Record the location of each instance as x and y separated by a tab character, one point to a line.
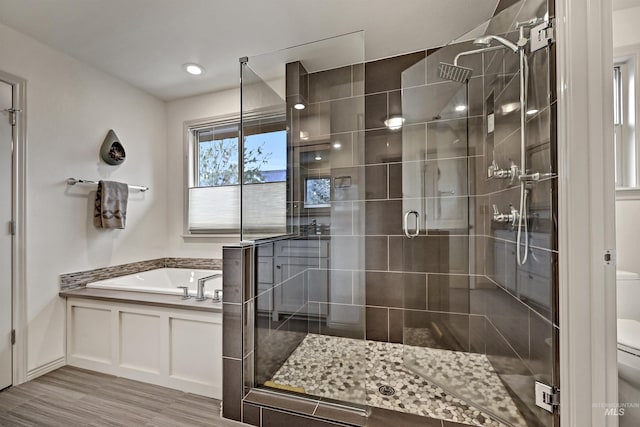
521	218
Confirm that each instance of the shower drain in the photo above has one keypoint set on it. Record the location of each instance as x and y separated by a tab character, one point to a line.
386	390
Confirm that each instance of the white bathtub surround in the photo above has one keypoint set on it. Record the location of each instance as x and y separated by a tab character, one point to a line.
163	281
175	348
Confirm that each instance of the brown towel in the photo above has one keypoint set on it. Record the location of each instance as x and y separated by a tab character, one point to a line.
111	205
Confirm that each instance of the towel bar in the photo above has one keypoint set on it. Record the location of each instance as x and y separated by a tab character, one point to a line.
74	181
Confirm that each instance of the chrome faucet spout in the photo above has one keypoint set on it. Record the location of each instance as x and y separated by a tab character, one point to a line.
200	290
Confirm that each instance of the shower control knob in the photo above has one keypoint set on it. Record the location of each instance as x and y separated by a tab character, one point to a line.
511	218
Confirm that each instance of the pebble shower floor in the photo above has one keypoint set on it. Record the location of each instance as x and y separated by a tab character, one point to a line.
354	370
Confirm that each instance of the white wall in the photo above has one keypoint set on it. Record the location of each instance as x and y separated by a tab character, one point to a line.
625	27
70	108
179	111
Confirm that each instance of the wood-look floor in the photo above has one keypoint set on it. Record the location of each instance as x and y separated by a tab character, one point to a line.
75	397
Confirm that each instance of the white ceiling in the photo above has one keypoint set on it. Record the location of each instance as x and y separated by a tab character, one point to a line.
145	42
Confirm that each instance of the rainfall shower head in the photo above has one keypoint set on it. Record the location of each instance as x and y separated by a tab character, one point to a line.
454	72
486	42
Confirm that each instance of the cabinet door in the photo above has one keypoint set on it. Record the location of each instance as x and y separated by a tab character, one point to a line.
290	293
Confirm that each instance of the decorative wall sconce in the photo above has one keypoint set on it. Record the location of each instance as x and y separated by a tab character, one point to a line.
112	151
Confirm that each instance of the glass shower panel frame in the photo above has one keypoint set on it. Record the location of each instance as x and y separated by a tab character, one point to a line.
310	302
262	145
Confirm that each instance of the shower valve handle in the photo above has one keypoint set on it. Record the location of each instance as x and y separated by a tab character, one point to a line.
511	218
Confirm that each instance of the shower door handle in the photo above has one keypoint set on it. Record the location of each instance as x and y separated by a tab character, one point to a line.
405	223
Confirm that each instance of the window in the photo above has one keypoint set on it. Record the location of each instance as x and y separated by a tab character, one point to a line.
214	190
317	193
617	122
624	118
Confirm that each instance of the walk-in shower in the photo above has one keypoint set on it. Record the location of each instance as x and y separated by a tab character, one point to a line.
409	278
517	218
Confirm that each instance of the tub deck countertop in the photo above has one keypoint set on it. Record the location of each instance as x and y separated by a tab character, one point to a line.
144	298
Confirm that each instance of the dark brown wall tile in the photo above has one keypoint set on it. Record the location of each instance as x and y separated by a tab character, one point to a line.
232	274
251	414
542	351
385	418
443	100
375	182
446	331
332	412
377	324
401	290
232	330
330	84
273	418
475	97
376	253
346	114
383	146
281	400
448	293
375	107
383	217
395	180
429	254
232	389
385	74
447	138
396	326
511	319
477	334
507	111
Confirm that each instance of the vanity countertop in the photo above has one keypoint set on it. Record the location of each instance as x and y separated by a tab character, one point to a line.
145	298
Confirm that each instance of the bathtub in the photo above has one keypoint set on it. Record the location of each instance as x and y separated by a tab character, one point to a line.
163	281
171	346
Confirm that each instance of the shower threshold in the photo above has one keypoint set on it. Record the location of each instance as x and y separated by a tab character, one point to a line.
375	373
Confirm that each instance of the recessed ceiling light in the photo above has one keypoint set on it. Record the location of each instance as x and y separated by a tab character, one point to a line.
461	107
337	145
509	107
194	69
299	106
532	112
318	158
394	123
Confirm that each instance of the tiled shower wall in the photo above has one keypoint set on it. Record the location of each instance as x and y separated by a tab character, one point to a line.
518	303
351	273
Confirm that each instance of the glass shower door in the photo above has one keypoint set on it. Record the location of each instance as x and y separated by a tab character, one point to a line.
438	336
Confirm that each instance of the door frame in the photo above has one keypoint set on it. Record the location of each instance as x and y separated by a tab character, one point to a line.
19	210
586	220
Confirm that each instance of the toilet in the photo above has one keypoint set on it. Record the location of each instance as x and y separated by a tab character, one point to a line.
628	306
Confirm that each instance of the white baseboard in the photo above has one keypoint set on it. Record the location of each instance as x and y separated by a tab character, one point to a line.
46	368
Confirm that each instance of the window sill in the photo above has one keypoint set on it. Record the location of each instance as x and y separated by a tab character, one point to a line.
627	193
211	236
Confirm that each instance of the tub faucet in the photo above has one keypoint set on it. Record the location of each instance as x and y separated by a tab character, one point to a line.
200	294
